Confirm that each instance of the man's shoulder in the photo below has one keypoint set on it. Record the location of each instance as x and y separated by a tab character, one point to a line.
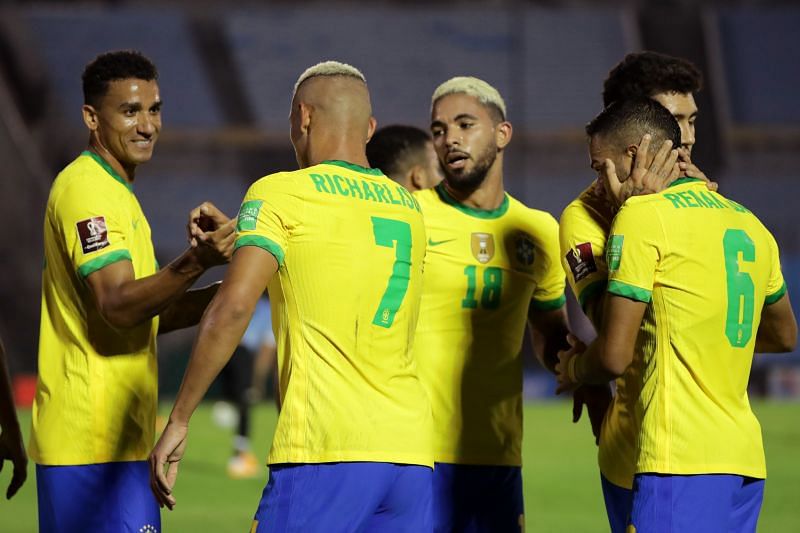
81	180
536	220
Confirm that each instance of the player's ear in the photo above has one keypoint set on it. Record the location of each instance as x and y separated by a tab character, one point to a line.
631	150
416	178
90	117
373	125
503	132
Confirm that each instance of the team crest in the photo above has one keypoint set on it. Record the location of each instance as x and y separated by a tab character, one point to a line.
483	247
524	249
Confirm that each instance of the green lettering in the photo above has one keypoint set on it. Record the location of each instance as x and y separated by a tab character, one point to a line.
330	184
338	180
368	194
739	208
675	199
354	188
319	182
403	193
698	199
688	199
389	193
380	192
711	200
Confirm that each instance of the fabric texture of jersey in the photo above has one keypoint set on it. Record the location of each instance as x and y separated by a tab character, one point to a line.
483	269
345	497
102	498
706	266
583	231
345	301
96	396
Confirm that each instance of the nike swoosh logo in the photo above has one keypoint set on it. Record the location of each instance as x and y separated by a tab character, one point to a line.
135	224
431	242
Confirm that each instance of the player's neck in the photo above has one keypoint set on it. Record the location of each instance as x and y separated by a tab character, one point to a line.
488	196
338	149
127	174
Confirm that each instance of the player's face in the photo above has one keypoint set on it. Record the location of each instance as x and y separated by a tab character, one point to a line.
465	140
684	109
128	120
600	150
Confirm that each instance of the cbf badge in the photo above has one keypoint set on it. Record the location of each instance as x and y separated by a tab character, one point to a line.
483	247
524	249
614	252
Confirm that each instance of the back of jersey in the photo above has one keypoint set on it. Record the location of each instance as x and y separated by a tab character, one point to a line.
350	245
707	266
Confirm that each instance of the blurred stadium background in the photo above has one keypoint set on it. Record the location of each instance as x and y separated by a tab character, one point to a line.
226	74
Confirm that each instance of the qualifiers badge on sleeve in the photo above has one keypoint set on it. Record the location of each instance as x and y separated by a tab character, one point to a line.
581	261
93	234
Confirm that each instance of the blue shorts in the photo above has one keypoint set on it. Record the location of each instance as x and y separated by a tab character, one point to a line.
702	503
474	498
344	497
618	505
106	498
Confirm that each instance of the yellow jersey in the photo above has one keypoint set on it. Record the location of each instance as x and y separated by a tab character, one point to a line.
583	231
483	269
706	266
97	392
345	301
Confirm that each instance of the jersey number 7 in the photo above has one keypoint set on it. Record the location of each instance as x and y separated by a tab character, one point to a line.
393	234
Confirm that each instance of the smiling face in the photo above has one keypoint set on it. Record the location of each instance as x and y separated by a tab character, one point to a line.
465	137
127	121
683	107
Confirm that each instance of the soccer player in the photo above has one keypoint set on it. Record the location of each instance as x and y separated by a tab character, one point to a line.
104	299
583	231
491	266
695	286
341	248
11	445
405	154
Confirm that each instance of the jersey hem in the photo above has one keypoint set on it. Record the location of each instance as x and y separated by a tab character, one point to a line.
759	473
476	460
262	242
631	292
350	457
103	261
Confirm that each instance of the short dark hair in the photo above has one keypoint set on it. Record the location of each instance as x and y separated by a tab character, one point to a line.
393	148
114	66
644	74
629	120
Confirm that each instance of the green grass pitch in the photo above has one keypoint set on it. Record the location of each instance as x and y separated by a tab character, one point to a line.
562	489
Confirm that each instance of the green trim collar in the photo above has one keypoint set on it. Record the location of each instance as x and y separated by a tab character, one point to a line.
681	181
630	292
103	163
353	166
262	242
772	298
103	261
549	305
473	211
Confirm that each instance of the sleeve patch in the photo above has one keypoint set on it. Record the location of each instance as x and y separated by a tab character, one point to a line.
93	234
581	261
248	215
614	252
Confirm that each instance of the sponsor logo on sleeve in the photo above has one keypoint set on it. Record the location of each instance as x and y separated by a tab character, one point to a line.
614	252
248	215
93	234
581	261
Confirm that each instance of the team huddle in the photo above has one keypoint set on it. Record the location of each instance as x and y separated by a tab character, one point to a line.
402	278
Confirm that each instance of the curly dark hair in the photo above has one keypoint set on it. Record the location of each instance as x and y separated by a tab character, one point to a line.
393	148
644	74
113	66
628	120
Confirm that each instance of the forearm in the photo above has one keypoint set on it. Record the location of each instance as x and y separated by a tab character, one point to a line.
187	310
548	331
220	332
8	414
589	367
138	300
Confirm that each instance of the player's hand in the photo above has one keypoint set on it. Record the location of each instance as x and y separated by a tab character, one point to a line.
204	218
216	247
164	460
597	398
565	377
13	449
689	169
644	179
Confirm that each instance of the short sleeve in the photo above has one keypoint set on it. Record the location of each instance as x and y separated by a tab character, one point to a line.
94	225
776	286
633	252
583	241
547	272
265	217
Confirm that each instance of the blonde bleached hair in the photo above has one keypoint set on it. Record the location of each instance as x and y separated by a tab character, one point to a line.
329	68
475	87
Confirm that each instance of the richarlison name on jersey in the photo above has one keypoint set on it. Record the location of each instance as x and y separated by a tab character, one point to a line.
363	190
708	200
